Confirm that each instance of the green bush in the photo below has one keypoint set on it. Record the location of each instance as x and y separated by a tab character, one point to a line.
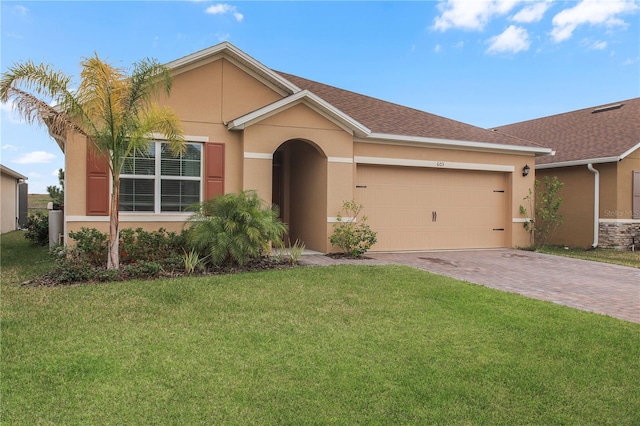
353	236
235	228
38	228
91	245
159	246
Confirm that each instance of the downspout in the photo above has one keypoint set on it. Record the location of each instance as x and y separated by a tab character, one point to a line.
596	204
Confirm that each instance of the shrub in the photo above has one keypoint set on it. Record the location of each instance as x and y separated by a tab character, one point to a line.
159	246
546	207
235	228
353	236
91	245
38	228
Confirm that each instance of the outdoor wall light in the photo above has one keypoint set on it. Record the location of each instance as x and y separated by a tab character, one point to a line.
525	170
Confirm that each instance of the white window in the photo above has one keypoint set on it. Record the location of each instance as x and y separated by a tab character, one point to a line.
159	181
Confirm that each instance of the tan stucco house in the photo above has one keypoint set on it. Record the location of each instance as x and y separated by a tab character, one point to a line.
597	157
12	184
426	182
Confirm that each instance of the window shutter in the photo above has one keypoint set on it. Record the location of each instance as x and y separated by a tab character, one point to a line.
97	184
636	195
214	170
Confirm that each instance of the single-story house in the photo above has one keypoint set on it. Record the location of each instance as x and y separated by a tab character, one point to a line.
597	157
13	199
426	182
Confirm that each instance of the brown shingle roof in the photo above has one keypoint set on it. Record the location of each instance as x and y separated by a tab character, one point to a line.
583	134
389	118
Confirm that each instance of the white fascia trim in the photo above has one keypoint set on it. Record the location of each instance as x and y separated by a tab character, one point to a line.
384	161
188	138
450	143
238	55
578	163
321	106
629	151
258	155
334	219
134	217
522	219
348	160
619	220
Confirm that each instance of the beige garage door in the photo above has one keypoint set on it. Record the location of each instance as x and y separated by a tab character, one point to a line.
417	209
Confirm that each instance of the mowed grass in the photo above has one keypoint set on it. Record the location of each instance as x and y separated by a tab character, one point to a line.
38	202
322	345
617	257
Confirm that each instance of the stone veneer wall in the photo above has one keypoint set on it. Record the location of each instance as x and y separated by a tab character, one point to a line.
618	235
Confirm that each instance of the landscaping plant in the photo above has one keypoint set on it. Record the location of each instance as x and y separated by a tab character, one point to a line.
234	229
353	236
38	228
109	106
546	206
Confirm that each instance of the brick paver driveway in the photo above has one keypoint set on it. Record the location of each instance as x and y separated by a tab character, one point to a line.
591	286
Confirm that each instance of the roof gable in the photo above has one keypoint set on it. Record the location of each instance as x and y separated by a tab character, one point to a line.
238	58
604	133
311	100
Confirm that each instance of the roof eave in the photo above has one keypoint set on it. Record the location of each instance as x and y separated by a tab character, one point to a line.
585	161
12	173
449	143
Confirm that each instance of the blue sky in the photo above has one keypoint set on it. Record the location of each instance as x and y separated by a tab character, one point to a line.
485	63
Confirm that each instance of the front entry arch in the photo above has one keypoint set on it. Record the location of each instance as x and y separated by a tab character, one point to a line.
299	189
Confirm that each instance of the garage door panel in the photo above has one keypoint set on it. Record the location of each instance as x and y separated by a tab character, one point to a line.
400	203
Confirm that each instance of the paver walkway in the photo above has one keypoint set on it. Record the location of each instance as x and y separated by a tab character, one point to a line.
591	286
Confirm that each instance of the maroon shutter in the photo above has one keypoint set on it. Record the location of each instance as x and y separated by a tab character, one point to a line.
213	170
97	184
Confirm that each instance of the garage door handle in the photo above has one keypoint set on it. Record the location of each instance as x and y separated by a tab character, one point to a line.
498	229
434	216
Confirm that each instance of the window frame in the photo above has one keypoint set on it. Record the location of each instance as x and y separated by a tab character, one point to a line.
157	178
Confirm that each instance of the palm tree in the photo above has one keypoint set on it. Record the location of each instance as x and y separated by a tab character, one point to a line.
112	109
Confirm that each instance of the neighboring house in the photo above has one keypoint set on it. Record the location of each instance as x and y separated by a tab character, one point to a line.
13	200
426	182
596	147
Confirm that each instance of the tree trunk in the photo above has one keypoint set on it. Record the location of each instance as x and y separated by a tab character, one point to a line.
113	260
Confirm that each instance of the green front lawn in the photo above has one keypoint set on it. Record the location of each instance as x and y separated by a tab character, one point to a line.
322	345
617	257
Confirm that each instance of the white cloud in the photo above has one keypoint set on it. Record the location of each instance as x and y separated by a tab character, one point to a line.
54	173
34	175
470	15
593	12
459	45
20	10
9	113
532	12
437	48
599	45
512	40
222	9
35	157
9	147
630	61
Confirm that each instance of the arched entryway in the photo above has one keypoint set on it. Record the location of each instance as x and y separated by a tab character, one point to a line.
299	189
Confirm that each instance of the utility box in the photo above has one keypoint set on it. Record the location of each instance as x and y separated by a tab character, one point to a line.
56	227
23	204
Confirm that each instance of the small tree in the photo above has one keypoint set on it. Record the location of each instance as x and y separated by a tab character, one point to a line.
235	228
111	107
353	236
546	207
57	193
